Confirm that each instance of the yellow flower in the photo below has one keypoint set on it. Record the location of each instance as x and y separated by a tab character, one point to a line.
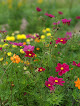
40	1
43	30
21	36
1	59
28	41
47	29
2	40
5	45
10	38
9	53
12	34
0	45
25	68
42	36
20	4
17	32
14	46
21	51
48	34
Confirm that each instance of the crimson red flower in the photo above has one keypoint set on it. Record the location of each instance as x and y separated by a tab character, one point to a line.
49	85
41	69
29	54
75	64
38	9
61	40
62	68
56	80
77	17
49	15
60	12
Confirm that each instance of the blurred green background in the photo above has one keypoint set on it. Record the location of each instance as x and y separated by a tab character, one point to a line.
22	15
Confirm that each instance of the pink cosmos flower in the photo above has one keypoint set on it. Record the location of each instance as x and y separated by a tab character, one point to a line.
30	36
41	69
29	54
56	80
75	64
49	85
28	48
68	35
77	17
3	31
66	21
0	48
56	23
62	68
18	44
61	40
38	9
49	15
60	12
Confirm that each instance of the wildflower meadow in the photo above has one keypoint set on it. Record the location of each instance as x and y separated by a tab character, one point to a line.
39	53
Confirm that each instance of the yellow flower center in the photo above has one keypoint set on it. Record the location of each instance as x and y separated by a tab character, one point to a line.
40	69
56	80
49	85
61	40
62	68
29	54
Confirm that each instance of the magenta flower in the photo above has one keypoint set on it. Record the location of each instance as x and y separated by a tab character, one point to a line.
60	12
18	44
30	36
28	48
68	35
66	21
49	85
61	40
38	9
49	15
56	23
62	68
3	31
56	80
77	17
75	64
0	48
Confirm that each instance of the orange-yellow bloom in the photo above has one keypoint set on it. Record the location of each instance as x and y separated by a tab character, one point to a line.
77	83
15	58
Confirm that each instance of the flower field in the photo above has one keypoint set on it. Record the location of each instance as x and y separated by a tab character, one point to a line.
40	62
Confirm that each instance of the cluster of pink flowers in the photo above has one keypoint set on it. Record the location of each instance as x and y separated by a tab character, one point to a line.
57	23
3	31
68	35
18	44
49	15
75	64
66	21
53	81
29	50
